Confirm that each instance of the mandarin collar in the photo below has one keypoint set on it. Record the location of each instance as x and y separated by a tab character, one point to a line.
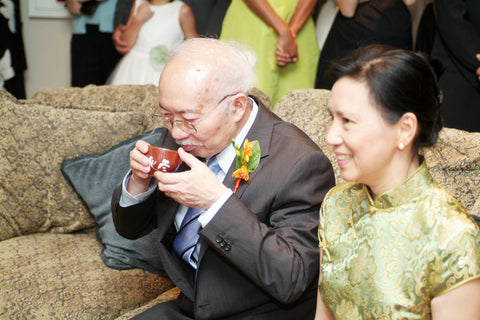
406	192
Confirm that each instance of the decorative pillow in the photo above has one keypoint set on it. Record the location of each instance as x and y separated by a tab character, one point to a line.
94	177
113	98
34	141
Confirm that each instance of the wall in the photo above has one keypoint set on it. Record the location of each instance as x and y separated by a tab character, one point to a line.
47	47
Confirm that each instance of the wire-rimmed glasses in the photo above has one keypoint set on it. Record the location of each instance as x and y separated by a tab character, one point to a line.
185	125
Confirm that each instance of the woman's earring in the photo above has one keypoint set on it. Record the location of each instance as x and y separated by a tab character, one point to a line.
401	146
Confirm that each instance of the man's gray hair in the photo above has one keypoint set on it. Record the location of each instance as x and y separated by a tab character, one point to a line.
232	63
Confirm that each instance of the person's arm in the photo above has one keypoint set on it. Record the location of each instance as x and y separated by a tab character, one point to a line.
300	16
135	23
265	11
74	6
123	10
302	13
463	302
321	312
284	241
121	46
287	50
347	7
187	22
409	3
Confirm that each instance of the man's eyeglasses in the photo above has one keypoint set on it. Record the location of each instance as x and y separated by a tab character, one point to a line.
185	125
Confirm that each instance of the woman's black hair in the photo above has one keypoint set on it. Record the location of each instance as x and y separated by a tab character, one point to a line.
400	81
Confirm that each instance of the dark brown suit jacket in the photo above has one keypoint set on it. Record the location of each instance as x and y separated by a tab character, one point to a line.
259	254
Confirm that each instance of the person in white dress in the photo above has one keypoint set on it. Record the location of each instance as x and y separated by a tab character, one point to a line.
153	29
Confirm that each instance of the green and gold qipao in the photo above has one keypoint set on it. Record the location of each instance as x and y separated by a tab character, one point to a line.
388	257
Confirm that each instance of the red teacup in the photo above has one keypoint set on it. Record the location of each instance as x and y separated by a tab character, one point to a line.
162	159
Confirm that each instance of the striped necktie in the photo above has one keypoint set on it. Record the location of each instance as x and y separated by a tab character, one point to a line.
187	237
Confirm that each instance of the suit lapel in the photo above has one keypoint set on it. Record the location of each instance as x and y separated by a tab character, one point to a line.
261	130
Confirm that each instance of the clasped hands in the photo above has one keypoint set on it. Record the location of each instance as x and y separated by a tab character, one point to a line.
198	187
286	49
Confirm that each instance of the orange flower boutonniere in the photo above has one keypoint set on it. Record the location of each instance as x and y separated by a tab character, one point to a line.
246	161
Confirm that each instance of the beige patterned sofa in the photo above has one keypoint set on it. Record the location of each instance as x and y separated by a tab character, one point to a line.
50	254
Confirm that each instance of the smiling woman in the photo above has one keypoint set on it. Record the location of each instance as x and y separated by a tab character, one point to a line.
385	110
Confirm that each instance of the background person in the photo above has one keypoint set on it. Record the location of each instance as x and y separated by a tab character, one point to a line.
360	23
282	33
154	28
394	244
93	55
208	19
256	254
456	44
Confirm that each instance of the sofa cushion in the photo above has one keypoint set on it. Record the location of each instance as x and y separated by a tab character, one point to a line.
169	295
142	98
119	252
61	276
139	98
92	97
34	140
454	161
307	109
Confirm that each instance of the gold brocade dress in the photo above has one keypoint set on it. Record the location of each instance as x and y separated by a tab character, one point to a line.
388	257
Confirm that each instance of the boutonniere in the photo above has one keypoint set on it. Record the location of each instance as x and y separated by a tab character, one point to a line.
246	161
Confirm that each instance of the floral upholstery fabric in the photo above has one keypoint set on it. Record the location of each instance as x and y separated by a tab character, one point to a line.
142	99
34	141
307	109
61	276
454	162
166	296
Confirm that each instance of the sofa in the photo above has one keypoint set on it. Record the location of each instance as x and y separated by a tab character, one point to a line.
61	153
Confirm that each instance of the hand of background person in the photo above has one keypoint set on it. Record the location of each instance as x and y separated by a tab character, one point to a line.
198	187
477	73
74	7
120	45
286	48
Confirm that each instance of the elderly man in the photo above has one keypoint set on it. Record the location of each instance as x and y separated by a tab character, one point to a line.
256	251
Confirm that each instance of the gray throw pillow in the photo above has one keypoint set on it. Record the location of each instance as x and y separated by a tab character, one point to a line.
94	177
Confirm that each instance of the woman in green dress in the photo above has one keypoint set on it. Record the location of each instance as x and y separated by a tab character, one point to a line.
282	33
393	243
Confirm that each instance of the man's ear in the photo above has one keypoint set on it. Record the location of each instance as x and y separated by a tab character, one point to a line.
407	125
239	106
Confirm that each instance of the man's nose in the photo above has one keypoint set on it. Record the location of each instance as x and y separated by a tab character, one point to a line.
177	132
